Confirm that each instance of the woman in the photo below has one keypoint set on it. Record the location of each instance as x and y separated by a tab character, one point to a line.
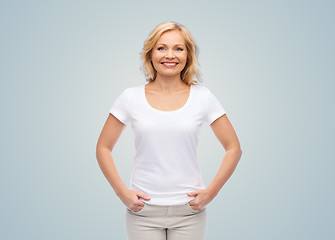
167	198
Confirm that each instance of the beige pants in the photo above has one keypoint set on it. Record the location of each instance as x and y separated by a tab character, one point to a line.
155	222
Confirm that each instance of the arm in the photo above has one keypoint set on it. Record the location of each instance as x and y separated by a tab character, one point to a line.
106	142
225	133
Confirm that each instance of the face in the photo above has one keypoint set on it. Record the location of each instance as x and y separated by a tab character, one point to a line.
169	55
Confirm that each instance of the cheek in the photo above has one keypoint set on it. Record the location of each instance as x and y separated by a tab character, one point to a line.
184	58
155	65
157	53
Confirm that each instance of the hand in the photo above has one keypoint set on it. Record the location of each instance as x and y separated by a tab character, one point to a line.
130	198
202	198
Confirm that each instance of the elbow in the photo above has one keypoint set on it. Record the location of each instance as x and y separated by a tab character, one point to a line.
236	151
97	149
239	150
101	150
97	152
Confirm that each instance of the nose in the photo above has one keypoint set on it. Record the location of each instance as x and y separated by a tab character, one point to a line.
170	54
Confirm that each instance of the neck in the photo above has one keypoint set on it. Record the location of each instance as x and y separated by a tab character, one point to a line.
168	83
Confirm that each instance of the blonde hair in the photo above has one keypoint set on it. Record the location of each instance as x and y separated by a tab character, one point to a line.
191	68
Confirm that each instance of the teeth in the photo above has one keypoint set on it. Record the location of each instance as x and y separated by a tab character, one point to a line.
170	64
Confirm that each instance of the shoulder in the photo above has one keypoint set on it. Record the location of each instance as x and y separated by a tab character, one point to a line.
131	90
201	89
205	94
132	94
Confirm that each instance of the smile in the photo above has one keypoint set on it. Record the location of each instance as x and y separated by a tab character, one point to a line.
169	64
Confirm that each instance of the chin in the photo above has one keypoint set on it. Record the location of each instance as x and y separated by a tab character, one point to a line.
170	75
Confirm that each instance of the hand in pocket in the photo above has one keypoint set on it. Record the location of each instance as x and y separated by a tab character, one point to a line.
130	199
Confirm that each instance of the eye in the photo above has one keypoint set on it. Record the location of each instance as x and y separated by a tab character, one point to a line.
180	49
160	48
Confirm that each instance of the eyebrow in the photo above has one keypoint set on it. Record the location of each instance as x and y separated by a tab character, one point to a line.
178	44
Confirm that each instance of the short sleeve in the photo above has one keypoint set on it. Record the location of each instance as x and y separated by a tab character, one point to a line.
214	108
120	108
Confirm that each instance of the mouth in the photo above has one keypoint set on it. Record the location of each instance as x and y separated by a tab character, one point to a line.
169	63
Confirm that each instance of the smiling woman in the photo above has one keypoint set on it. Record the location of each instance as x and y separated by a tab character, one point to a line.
168	56
167	198
175	42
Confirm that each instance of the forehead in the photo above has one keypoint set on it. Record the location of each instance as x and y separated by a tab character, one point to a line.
171	37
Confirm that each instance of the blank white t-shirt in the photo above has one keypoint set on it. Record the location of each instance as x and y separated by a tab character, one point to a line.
165	164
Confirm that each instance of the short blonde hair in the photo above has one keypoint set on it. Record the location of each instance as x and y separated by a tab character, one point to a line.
191	68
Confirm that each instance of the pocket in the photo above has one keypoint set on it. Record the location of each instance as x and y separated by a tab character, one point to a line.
189	206
139	211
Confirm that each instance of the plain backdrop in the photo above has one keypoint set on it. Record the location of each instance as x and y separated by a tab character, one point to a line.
270	63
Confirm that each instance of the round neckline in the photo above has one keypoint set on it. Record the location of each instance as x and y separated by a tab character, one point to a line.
172	111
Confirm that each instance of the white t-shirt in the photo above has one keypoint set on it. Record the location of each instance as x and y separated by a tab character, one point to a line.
165	164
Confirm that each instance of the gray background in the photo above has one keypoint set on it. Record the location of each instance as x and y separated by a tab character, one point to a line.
270	63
